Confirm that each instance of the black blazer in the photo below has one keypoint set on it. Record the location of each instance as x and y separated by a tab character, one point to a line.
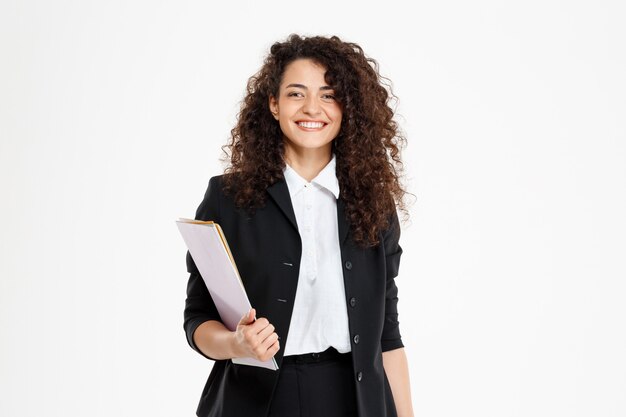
267	248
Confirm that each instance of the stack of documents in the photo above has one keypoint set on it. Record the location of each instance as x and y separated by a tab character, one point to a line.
211	254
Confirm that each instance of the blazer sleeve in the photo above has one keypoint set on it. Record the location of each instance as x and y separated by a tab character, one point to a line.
391	338
199	306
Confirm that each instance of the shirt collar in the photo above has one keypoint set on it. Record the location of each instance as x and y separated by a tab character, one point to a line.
326	178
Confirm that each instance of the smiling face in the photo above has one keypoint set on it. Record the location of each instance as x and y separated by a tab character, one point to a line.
306	109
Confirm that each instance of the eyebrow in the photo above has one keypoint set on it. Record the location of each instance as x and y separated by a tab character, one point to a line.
324	87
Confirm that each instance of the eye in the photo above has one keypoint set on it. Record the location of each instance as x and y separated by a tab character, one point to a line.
294	94
328	97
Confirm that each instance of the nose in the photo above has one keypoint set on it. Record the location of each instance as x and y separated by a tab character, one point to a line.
311	105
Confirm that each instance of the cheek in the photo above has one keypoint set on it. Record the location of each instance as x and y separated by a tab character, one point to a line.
336	126
336	113
285	125
337	117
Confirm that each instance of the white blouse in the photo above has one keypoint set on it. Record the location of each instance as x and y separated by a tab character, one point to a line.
320	318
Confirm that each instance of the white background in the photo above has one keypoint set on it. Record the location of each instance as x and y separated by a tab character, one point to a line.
512	282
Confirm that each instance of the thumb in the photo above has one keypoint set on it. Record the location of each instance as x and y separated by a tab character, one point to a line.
249	317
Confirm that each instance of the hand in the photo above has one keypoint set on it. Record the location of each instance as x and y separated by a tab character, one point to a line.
255	339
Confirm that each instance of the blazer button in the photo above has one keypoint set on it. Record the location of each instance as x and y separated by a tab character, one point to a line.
352	302
356	339
348	265
359	376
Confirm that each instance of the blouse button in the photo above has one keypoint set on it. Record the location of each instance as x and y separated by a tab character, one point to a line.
348	265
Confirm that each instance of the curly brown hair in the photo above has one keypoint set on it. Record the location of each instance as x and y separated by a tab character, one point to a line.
367	148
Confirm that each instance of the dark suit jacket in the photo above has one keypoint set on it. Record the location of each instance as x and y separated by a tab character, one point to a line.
267	248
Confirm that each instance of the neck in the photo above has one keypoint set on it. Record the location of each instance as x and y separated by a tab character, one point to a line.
308	162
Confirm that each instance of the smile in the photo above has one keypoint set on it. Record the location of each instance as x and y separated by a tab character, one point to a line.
311	125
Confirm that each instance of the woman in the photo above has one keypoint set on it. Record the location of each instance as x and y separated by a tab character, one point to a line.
308	206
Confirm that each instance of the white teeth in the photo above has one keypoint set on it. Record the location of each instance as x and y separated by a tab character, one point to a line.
311	125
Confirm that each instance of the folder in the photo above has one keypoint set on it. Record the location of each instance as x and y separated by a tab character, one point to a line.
210	252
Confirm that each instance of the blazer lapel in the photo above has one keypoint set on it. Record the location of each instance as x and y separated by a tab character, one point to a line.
342	222
280	194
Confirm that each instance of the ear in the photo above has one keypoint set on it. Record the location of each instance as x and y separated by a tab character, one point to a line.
273	103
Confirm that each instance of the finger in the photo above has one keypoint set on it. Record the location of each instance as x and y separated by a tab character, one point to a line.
273	350
248	317
265	354
252	331
269	341
264	333
259	325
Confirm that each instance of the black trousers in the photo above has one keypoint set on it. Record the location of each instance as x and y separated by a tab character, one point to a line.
315	385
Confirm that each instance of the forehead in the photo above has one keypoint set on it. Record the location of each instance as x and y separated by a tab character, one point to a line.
304	71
